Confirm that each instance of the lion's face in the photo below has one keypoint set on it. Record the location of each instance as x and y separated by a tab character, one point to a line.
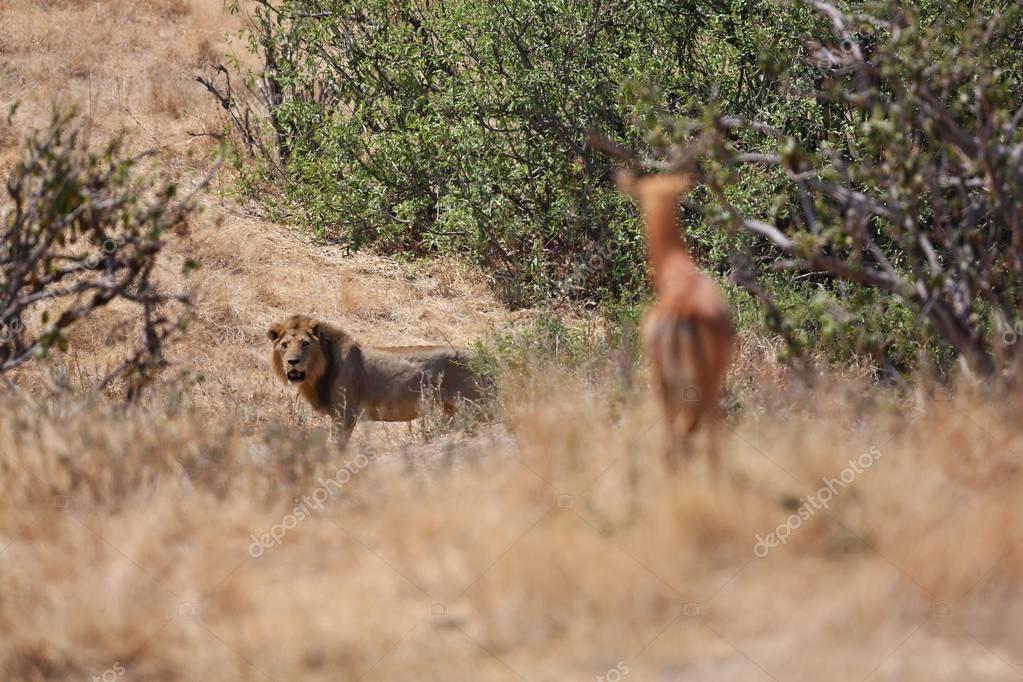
297	355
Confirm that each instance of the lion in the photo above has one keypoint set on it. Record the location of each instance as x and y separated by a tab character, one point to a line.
345	380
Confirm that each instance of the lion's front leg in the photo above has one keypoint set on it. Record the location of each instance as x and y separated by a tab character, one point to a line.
342	424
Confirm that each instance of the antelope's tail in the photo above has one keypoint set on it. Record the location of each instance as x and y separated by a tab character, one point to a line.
683	355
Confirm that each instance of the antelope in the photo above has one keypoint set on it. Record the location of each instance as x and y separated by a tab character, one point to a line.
687	332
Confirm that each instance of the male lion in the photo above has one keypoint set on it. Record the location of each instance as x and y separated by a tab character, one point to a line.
345	380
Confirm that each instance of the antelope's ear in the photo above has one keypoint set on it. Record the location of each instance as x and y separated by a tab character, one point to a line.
274	332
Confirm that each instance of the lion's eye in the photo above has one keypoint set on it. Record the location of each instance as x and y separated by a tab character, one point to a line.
305	344
284	344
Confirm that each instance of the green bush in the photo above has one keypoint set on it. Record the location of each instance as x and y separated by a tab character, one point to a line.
460	127
907	209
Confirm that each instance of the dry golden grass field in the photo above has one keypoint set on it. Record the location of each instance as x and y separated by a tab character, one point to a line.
213	533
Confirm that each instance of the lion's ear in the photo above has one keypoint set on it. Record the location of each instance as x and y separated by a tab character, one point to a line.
315	330
274	332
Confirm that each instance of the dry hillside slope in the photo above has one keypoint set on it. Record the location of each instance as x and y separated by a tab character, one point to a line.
130	65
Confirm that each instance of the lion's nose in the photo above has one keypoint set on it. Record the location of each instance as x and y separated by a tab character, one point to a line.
292	361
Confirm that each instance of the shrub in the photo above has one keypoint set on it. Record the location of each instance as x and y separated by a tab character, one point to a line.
83	230
895	199
912	198
460	127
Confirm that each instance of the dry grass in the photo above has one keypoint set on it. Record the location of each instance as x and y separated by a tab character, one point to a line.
547	546
121	63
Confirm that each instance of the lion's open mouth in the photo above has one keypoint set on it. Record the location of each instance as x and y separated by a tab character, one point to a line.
296	376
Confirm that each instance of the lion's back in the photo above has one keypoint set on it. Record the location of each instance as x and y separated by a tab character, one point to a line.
448	363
